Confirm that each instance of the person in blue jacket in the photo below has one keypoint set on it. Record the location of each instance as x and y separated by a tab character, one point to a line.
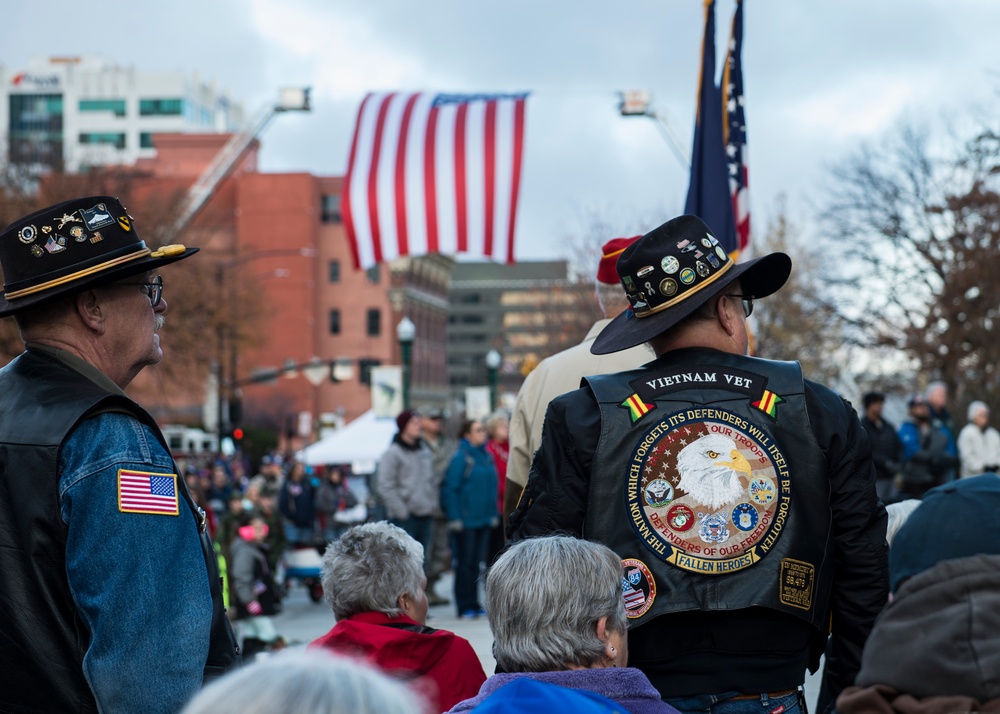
468	496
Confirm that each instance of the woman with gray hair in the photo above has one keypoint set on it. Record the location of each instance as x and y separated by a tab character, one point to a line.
373	578
304	683
979	443
557	613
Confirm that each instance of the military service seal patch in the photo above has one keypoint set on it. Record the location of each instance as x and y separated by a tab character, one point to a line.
708	491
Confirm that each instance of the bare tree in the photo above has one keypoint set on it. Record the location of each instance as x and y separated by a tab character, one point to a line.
802	321
211	313
917	221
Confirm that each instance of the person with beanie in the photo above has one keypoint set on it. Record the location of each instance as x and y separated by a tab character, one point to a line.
255	594
936	646
406	483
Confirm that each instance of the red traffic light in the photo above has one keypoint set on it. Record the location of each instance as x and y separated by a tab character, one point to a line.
237	433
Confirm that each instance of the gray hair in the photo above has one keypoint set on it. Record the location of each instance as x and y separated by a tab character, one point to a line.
975	407
369	567
611	299
494	420
305	682
544	597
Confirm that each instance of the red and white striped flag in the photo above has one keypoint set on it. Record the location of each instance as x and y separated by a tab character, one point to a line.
434	173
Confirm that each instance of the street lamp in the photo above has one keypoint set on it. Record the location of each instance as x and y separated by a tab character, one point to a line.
639	103
405	332
493	360
226	385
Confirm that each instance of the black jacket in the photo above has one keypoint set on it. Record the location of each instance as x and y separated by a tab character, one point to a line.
748	650
887	449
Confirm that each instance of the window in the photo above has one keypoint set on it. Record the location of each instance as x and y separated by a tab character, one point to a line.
334	322
330	208
334	271
115	139
373	274
374	322
115	106
161	107
365	365
145	140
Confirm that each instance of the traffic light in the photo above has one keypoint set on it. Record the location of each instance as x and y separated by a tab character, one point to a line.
237	434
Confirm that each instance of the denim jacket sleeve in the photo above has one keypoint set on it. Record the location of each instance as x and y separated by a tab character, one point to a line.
138	580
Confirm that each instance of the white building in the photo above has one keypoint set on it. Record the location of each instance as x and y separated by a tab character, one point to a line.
73	113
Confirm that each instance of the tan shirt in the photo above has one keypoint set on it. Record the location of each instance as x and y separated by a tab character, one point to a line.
553	376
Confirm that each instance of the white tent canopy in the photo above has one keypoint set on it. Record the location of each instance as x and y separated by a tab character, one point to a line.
360	444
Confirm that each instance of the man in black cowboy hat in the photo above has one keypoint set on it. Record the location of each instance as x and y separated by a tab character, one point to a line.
110	584
740	497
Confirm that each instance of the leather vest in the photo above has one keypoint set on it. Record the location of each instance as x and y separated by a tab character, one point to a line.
42	637
711	487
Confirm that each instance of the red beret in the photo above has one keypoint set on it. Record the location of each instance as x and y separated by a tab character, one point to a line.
606	272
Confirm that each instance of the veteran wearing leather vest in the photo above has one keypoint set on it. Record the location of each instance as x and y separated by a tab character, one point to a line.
739	496
112	594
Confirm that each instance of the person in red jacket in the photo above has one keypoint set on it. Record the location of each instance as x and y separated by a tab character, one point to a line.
373	578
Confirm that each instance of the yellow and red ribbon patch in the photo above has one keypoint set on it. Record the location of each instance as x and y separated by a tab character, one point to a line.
636	407
767	403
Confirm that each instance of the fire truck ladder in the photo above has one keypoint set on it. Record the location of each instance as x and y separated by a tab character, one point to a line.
291	99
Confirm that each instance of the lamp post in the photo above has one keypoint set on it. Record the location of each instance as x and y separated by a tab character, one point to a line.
405	332
226	384
493	360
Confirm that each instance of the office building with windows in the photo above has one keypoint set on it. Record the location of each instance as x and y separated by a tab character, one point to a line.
72	113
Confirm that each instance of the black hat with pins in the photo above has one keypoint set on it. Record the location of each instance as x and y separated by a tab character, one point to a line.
71	247
672	271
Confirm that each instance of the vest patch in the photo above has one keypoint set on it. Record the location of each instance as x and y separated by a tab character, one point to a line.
797	581
708	491
637	408
656	384
144	492
638	588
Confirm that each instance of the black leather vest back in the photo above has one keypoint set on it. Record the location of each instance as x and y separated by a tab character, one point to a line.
710	485
42	638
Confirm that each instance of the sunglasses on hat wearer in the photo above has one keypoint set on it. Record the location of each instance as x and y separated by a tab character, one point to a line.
747	302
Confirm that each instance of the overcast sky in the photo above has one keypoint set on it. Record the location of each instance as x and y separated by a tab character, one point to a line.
820	78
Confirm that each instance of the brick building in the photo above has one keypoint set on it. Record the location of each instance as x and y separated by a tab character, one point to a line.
278	240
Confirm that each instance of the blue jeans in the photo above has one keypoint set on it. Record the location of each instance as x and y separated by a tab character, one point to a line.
420	528
470	551
725	704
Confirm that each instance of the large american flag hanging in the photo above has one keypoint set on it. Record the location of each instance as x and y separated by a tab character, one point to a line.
734	129
434	173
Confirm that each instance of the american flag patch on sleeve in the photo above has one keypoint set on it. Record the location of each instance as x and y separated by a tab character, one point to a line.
143	492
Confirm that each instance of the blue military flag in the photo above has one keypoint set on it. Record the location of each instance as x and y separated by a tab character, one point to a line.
708	192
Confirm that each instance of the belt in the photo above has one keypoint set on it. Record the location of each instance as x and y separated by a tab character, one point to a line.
769	695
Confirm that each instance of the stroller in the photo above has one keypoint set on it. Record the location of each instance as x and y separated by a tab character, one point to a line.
304	563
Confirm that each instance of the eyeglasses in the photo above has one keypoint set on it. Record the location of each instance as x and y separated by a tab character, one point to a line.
747	302
154	289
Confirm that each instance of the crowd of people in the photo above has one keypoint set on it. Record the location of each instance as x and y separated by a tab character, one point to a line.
924	452
692	534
